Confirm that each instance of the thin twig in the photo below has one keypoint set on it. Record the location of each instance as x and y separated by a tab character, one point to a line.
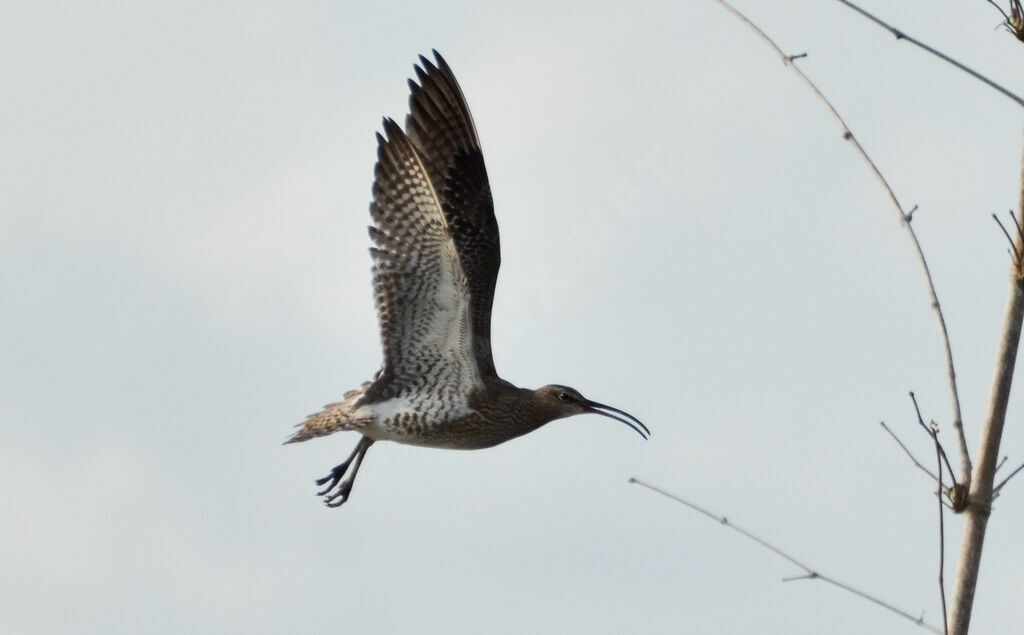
918	464
900	35
995	490
905	218
942	453
942	529
933	431
1015	255
1015	223
1000	9
812	574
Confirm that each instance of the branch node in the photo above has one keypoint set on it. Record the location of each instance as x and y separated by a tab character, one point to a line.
958	498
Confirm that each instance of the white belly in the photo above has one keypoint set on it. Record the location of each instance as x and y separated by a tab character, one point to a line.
412	419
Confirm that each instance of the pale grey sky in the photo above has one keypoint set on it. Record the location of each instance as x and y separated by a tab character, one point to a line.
184	274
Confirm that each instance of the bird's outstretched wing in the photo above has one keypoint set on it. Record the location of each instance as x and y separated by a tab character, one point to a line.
421	293
441	129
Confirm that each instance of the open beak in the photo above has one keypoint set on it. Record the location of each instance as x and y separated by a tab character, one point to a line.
626	418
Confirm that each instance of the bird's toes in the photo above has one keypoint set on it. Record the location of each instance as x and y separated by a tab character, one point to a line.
329	477
338	498
336	474
331	481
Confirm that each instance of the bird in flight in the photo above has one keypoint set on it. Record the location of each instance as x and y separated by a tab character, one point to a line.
435	264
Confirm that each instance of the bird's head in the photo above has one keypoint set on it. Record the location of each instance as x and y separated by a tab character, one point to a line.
561	401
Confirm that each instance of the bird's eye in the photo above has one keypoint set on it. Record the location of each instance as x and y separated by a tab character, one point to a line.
564	396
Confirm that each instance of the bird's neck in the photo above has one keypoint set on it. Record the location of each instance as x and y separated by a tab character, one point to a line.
515	410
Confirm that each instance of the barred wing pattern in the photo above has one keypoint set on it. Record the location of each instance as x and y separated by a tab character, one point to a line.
441	128
419	286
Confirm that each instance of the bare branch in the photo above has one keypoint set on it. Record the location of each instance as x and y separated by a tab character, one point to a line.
900	35
897	439
974	494
811	574
905	219
980	492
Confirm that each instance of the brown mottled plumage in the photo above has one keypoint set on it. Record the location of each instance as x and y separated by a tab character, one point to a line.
436	256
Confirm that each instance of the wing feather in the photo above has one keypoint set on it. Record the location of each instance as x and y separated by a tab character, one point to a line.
420	289
441	128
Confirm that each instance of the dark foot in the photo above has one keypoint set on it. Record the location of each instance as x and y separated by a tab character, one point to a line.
336	475
339	497
333	481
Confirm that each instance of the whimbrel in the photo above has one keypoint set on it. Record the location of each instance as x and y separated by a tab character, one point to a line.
435	264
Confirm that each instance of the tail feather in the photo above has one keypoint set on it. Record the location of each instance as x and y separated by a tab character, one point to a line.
334	417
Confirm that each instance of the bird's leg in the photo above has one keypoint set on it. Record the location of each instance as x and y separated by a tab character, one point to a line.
345	487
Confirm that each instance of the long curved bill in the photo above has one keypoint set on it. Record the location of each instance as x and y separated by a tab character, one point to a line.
626	418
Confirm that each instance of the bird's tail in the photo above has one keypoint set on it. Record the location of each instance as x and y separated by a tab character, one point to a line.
334	417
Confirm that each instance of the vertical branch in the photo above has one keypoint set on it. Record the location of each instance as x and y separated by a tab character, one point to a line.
980	492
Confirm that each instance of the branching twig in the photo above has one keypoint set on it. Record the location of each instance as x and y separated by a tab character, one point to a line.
905	219
900	35
916	462
933	431
811	574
